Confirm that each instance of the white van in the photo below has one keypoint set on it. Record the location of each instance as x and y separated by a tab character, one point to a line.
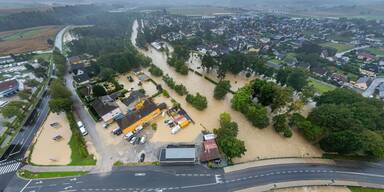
82	129
139	128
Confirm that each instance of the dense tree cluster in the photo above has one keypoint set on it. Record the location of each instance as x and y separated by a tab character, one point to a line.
255	113
178	64
156	71
98	90
123	62
60	63
197	101
347	123
221	89
179	88
227	138
293	77
60	97
270	94
13	108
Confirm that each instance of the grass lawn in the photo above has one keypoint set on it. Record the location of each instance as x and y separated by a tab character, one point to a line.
79	155
321	86
340	47
360	189
31	175
379	52
44	56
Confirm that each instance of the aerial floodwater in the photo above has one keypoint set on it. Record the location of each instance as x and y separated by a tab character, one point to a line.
260	143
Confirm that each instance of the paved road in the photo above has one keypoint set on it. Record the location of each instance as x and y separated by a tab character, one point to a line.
198	178
371	89
11	161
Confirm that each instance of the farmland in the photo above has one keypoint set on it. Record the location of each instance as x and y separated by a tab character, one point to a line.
26	40
340	47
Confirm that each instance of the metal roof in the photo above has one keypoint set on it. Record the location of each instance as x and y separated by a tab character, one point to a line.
180	153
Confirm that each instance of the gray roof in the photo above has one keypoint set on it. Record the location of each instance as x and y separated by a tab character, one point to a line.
180	153
363	80
103	106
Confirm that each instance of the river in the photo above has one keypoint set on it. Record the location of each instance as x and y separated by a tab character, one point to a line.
260	143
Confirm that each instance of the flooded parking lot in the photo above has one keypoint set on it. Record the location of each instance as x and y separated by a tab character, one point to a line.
260	144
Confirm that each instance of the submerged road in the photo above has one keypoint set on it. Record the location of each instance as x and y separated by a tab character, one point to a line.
198	178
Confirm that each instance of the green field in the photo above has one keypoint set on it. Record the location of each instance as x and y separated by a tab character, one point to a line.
41	175
26	33
320	86
360	189
379	52
340	47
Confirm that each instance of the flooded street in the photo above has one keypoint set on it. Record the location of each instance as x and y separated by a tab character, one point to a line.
260	144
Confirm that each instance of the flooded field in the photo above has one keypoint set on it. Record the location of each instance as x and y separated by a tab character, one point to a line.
260	144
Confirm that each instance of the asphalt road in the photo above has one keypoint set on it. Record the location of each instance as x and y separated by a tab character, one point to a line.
198	178
12	159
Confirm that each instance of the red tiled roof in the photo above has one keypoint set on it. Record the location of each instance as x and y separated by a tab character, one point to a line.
8	85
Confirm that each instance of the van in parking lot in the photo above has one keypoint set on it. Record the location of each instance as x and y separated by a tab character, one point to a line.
139	128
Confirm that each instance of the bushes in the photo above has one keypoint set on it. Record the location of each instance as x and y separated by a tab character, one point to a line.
221	89
178	64
180	89
98	90
280	124
198	101
154	70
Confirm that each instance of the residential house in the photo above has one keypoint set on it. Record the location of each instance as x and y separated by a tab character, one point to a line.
81	79
363	83
144	111
319	71
366	56
9	88
380	88
106	108
133	98
6	59
210	150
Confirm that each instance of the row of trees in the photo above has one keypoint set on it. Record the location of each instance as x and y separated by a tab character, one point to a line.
178	63
346	123
156	71
227	138
179	88
197	101
221	89
60	63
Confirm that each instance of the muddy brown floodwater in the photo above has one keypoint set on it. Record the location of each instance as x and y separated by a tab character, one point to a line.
260	143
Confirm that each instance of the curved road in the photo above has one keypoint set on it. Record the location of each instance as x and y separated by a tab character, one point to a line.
198	178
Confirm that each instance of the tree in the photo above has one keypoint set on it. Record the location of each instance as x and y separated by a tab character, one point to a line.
107	74
280	124
99	90
297	79
61	104
221	89
198	101
226	138
344	142
154	70
208	62
13	108
58	90
306	93
24	95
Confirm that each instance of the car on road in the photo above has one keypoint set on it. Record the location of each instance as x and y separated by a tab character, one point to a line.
82	129
130	79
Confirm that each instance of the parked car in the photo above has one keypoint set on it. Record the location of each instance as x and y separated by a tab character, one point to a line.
139	128
143	140
105	125
130	79
82	129
133	140
128	136
142	157
117	131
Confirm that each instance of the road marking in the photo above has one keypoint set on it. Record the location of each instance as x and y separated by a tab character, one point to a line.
25	186
139	174
356	173
218	179
9	168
